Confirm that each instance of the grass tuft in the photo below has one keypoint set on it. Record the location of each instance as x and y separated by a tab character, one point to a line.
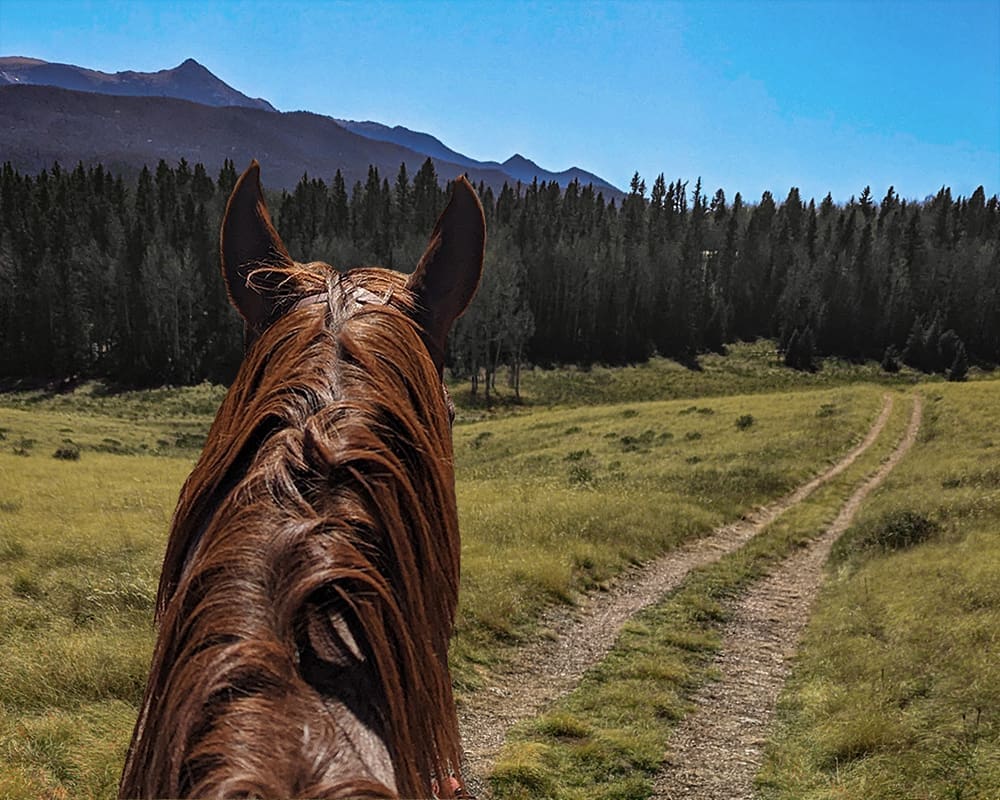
68	452
524	774
897	529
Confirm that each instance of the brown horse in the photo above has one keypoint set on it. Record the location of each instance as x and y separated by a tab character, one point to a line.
311	575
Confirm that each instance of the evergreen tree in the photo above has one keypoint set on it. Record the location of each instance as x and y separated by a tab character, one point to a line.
890	359
338	215
959	369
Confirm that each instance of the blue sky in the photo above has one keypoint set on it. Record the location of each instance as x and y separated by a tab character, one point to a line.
826	96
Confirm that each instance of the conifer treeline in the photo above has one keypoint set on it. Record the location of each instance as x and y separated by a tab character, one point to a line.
101	279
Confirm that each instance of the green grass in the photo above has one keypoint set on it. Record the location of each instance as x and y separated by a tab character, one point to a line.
80	548
747	368
94	399
896	691
558	502
607	738
553	501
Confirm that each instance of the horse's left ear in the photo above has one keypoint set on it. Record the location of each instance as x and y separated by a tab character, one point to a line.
447	276
250	244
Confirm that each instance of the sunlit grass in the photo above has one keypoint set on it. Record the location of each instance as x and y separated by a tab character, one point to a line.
552	502
80	548
620	716
559	502
747	368
897	688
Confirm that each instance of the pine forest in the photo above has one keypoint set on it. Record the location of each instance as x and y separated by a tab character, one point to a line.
118	279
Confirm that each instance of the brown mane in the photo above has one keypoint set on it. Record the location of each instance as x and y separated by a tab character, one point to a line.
311	576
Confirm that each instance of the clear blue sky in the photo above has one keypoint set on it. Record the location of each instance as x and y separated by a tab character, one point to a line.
826	96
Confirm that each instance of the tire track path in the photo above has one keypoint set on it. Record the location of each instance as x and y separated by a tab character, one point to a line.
716	751
577	638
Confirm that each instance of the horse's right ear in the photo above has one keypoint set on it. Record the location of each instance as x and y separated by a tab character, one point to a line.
254	260
448	274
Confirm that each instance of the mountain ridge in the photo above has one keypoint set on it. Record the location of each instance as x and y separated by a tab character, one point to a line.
192	82
189	80
517	166
45	124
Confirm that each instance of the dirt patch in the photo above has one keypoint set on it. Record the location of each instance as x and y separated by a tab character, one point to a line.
716	751
575	639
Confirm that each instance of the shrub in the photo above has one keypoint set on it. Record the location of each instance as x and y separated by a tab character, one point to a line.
901	529
480	439
68	452
894	530
745	421
640	442
890	360
27	586
580	475
800	352
186	440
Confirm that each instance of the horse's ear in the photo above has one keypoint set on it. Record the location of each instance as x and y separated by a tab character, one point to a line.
446	278
254	259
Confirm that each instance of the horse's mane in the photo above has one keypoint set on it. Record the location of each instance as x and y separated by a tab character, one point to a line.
312	566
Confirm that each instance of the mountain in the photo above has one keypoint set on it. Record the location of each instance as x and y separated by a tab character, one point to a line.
517	166
54	127
43	124
187	81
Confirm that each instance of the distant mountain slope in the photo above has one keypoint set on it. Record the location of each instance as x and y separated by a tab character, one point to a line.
517	166
42	124
415	140
525	170
187	81
170	139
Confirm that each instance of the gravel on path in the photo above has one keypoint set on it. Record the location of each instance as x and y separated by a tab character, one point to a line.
716	751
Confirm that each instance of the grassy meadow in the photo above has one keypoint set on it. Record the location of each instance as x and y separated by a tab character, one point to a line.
896	691
747	368
555	497
559	501
608	738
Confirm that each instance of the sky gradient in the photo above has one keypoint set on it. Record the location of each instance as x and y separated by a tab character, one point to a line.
749	96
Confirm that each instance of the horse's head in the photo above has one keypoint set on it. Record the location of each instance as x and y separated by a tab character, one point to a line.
310	582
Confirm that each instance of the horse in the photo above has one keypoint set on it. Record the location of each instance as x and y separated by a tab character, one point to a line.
310	578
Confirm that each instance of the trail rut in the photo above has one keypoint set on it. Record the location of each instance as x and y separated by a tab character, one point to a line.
716	751
577	638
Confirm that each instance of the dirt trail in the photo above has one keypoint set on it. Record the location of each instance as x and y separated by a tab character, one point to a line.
577	638
715	752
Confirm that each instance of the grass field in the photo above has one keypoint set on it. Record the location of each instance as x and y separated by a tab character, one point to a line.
553	499
559	501
608	738
747	368
896	692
